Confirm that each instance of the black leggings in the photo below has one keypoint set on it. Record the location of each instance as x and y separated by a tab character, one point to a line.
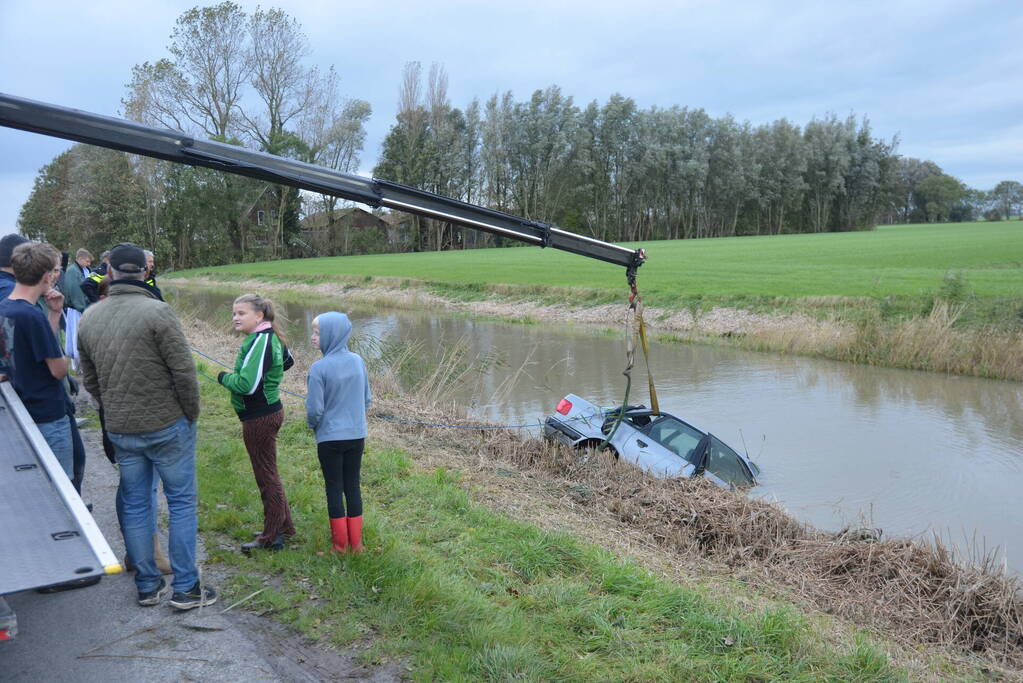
341	462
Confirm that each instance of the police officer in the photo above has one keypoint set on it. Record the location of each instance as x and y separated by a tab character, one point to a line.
150	278
90	284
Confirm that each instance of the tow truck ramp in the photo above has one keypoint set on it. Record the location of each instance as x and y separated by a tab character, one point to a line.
47	536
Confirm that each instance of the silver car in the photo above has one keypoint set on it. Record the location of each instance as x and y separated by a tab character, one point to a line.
661	444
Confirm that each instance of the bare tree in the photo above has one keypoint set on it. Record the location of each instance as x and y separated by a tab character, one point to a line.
210	68
334	130
287	89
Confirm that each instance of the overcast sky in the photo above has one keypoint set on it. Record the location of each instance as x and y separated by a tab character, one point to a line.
946	76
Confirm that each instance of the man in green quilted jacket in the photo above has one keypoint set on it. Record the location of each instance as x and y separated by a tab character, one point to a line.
136	363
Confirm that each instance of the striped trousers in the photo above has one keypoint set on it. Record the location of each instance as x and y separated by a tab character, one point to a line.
260	436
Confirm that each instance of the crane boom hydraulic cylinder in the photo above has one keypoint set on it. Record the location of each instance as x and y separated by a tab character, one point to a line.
128	136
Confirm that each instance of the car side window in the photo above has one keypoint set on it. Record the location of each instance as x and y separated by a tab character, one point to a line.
725	464
676	436
639	421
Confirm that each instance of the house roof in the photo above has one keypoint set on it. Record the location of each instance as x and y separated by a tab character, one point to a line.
393	217
320	218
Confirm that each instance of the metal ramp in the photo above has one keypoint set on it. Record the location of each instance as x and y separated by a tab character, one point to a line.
47	536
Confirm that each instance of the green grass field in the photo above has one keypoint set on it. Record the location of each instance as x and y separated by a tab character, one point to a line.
907	260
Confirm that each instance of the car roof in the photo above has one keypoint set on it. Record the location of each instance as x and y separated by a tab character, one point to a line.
643	410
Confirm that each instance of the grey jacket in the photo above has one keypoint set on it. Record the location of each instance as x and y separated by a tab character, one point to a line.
135	361
338	388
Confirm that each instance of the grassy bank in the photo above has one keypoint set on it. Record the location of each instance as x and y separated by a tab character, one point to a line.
944	298
496	558
463	592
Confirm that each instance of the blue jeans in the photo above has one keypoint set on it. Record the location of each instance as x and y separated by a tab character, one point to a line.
119	506
172	452
58	435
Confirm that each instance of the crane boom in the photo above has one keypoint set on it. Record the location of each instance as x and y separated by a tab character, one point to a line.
129	136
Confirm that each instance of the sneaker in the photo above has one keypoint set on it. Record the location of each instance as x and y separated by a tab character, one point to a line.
153	597
196	596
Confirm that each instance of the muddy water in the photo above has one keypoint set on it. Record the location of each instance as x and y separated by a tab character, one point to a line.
913	453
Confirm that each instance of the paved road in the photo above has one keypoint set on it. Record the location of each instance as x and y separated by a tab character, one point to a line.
100	634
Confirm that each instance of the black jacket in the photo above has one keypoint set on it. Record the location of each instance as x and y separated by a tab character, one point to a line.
90	285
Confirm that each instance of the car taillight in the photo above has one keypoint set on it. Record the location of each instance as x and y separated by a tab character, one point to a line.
564	406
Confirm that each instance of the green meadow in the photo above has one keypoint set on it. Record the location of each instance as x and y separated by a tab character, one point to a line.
900	261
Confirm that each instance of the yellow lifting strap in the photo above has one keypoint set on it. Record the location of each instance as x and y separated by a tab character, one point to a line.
636	305
646	357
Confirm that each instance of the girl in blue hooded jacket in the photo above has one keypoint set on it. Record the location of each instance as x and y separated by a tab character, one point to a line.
336	402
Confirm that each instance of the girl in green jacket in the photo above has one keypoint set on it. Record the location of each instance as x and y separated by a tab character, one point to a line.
258	371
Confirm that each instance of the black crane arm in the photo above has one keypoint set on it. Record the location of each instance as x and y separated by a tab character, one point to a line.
128	136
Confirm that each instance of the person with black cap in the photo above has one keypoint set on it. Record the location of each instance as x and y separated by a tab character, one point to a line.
136	362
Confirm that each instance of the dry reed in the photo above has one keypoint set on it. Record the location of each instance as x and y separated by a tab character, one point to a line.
915	592
928	342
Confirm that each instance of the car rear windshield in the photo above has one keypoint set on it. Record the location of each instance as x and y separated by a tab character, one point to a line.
676	436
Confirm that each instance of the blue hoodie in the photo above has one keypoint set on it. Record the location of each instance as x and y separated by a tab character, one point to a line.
338	392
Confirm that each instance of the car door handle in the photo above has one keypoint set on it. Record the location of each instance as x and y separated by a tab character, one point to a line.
641	443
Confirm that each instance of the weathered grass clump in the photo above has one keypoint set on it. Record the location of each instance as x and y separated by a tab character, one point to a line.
927	342
919	590
853	329
918	593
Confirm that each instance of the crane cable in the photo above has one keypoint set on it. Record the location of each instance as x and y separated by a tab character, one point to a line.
636	305
633	313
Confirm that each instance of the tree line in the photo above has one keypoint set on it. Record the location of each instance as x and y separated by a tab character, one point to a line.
611	170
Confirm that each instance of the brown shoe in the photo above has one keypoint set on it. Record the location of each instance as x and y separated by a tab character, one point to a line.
162	563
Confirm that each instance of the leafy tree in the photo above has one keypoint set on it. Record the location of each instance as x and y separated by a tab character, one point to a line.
1008	196
940	195
86	197
909	173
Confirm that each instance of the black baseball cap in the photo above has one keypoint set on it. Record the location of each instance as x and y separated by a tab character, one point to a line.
7	245
128	258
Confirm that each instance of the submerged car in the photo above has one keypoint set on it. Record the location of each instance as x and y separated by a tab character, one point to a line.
661	444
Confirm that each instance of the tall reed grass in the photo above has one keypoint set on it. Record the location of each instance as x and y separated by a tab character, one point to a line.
927	342
950	335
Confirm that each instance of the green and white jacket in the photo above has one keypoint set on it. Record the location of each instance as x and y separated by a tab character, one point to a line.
258	372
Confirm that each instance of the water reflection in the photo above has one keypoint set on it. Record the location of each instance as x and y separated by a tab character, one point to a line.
911	452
